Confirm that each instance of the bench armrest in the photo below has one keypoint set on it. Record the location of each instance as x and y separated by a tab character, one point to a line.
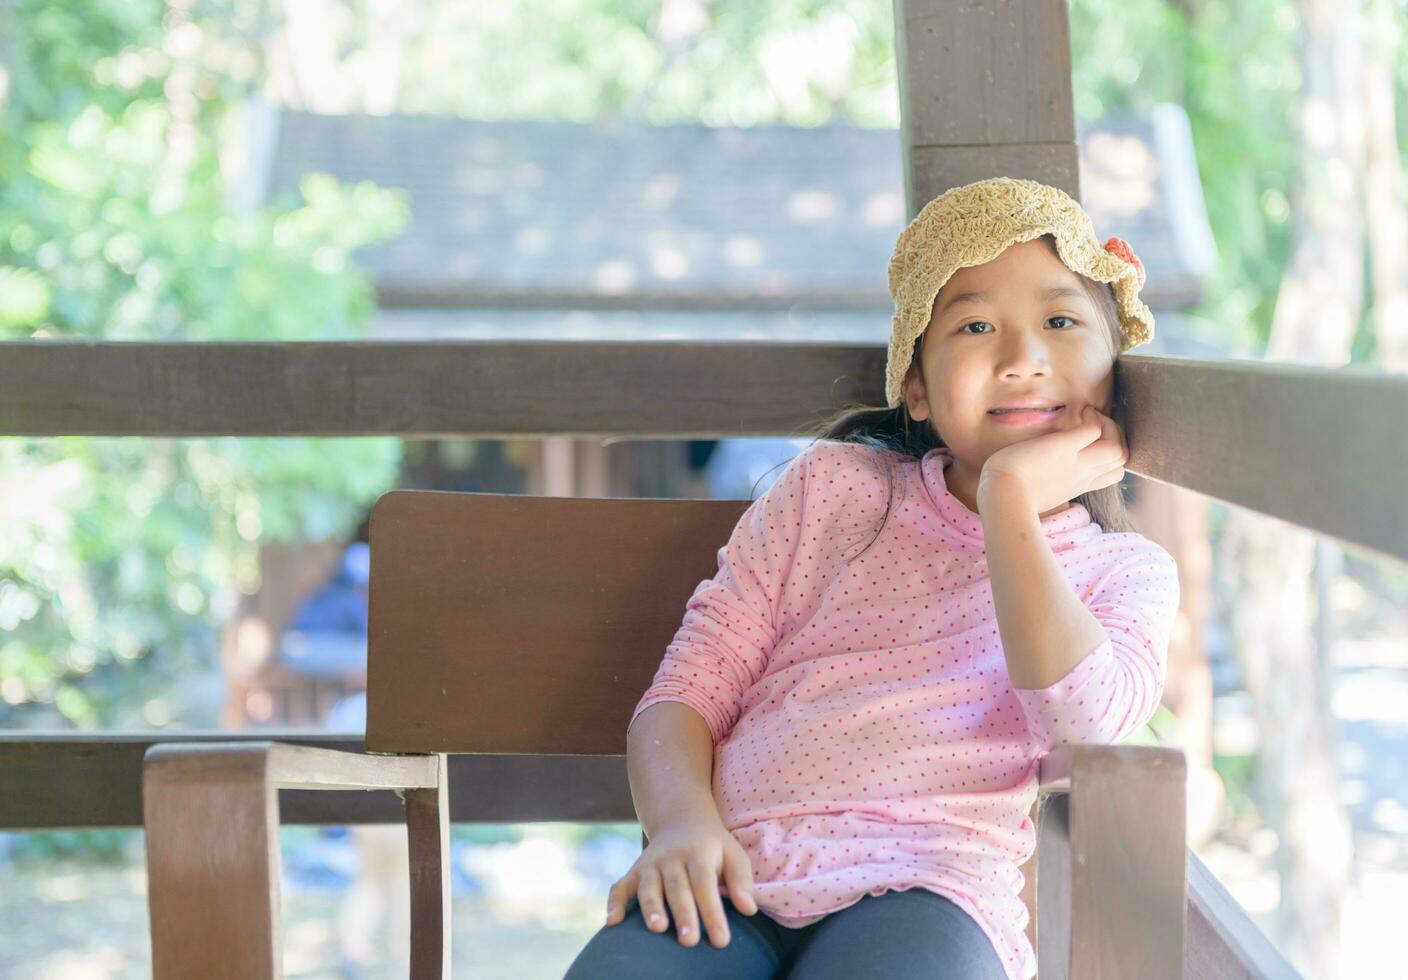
1127	761
211	817
294	766
1111	888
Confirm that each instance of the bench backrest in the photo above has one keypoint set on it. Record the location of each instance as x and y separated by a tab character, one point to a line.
512	624
503	623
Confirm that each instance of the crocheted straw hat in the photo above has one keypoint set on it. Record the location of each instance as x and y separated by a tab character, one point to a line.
972	224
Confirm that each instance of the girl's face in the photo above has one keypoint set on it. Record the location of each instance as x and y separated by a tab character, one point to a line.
1035	333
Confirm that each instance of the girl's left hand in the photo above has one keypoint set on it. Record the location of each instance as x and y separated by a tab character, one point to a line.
1054	468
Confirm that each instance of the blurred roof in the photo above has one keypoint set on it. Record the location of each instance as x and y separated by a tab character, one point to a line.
673	220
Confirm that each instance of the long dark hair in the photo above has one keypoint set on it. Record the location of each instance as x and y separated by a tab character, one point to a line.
901	438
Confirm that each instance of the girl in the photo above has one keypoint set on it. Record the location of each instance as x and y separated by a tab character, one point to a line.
844	734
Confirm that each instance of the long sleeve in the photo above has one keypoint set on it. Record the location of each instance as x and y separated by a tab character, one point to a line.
1117	686
730	621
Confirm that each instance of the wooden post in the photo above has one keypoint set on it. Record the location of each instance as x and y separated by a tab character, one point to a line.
985	91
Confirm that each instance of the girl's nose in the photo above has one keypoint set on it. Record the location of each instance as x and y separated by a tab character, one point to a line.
1029	363
1021	352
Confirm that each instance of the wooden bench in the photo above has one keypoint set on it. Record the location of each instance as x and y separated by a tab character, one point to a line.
529	626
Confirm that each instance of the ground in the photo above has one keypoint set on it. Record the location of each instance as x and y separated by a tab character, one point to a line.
78	922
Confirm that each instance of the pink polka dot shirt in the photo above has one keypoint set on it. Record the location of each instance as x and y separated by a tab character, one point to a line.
867	736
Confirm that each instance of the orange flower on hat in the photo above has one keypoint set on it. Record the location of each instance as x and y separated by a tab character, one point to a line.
1120	247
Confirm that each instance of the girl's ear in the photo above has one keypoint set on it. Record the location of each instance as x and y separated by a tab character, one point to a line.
915	398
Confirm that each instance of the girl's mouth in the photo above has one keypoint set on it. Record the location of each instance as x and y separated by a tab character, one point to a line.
1025	416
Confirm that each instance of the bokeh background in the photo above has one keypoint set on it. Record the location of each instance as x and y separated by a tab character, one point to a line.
206	170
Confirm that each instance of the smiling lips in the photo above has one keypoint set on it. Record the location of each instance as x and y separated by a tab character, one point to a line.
1025	416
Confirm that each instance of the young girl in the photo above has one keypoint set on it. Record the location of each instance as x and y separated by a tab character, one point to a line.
845	733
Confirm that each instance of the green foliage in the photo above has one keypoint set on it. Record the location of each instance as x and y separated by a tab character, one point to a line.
1161	729
1234	69
487	833
1234	66
118	846
120	557
793	61
1239	776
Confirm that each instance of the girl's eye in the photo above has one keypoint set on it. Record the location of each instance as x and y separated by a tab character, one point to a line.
975	323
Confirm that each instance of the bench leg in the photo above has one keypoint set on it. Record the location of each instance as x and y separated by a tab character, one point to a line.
213	867
428	831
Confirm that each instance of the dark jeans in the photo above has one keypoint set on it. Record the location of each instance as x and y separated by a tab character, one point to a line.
909	935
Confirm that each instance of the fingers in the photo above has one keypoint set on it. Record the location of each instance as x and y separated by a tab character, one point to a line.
738	876
1110	429
1107	428
619	895
706	895
652	903
1086	429
1109	478
692	890
677	890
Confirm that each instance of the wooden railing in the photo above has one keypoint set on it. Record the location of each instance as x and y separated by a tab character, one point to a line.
1319	448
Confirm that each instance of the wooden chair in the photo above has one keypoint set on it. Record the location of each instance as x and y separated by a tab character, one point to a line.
532	625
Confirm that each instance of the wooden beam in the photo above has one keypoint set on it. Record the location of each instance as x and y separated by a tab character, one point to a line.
430	389
985	91
1320	448
1309	445
1221	939
71	781
937	168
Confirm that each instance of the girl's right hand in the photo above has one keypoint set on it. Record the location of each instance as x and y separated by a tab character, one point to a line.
687	858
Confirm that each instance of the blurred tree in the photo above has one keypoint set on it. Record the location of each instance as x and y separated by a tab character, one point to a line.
1234	66
1283	635
115	223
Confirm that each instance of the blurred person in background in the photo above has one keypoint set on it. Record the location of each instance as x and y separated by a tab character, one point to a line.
736	465
327	637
